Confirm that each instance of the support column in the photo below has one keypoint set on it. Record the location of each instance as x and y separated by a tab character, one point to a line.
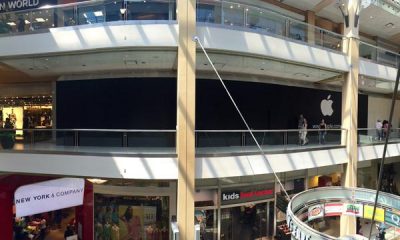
186	95
350	110
310	19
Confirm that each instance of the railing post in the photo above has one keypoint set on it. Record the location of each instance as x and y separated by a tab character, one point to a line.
243	141
285	140
76	141
125	139
32	138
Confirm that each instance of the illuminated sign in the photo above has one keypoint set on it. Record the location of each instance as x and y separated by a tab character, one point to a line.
333	209
316	211
235	195
353	209
379	213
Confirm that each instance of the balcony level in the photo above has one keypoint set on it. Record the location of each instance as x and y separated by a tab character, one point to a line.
150	154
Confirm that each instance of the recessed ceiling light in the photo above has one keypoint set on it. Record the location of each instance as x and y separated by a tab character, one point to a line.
39	20
98	14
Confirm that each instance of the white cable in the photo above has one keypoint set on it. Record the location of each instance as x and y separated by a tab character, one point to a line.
196	39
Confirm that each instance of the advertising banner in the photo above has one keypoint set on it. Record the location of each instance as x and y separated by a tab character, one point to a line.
392	218
379	213
353	209
17	5
333	209
48	196
316	211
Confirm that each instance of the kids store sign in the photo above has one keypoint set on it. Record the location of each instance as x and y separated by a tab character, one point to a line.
48	196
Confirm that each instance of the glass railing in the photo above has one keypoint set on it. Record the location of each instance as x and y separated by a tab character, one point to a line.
98	141
368	136
208	11
265	21
162	142
379	55
87	12
240	141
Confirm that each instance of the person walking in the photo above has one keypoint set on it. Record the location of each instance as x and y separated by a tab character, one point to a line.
303	133
322	132
378	126
300	127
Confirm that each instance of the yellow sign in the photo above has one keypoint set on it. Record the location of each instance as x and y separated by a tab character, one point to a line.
379	213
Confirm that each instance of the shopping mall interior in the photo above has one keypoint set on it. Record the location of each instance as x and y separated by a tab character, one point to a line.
199	119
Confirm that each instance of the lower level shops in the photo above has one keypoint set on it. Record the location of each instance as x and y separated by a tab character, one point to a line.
225	209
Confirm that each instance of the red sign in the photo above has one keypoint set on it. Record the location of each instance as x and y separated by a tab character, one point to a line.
256	193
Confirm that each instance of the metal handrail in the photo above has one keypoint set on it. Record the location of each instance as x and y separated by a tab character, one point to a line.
270	130
87	130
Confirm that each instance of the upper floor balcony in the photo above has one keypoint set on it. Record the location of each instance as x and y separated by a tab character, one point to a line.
150	154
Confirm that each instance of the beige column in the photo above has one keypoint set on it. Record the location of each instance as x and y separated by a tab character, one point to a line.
349	111
186	94
310	19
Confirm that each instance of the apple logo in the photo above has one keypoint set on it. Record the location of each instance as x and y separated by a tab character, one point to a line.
326	106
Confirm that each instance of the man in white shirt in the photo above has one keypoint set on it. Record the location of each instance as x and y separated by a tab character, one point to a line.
378	126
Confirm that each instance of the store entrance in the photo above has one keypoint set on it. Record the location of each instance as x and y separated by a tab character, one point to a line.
250	221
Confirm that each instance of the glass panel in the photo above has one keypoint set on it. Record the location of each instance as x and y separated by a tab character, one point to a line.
209	12
247	222
113	11
260	19
233	14
208	220
297	30
42	19
91	14
66	17
148	10
368	52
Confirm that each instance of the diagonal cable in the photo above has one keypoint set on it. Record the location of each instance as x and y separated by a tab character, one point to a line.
378	187
196	39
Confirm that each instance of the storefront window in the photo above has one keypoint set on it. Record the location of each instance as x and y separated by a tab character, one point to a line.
247	222
148	10
131	217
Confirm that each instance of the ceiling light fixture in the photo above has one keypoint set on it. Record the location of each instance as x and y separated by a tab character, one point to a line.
11	23
40	20
98	14
97	180
123	10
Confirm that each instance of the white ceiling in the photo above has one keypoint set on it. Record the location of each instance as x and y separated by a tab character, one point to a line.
152	61
146	63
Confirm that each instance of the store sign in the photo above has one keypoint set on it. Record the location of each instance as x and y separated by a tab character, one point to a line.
15	5
316	211
333	209
353	209
239	195
49	196
297	232
392	218
379	213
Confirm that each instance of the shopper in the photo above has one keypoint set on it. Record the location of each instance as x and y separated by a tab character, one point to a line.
322	132
300	127
303	133
378	126
385	127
